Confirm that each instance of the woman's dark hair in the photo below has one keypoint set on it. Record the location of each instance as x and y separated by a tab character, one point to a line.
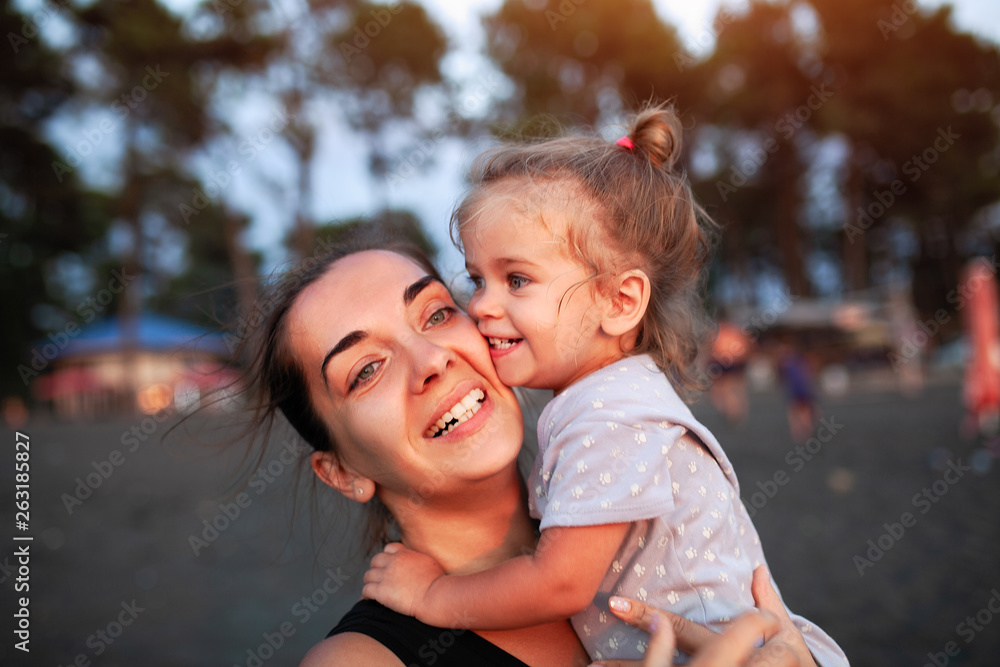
273	380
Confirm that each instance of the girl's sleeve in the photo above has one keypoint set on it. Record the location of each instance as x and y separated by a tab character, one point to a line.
601	466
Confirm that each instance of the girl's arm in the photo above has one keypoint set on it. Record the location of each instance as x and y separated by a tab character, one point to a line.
555	582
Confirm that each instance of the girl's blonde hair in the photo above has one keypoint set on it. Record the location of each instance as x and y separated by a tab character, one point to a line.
646	218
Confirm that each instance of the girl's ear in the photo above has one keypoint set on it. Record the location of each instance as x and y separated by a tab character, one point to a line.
335	474
629	298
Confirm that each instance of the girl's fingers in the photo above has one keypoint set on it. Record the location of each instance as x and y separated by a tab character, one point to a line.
690	637
393	547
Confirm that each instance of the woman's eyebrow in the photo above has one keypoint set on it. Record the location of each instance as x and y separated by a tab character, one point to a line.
411	292
345	343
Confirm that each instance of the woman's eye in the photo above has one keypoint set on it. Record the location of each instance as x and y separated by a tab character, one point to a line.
439	316
517	282
365	374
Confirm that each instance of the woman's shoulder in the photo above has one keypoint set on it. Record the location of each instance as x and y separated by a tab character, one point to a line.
358	648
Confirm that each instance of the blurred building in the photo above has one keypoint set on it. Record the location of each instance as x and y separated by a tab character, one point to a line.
152	363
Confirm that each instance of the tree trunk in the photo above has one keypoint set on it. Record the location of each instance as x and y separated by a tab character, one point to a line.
855	245
130	209
243	270
786	227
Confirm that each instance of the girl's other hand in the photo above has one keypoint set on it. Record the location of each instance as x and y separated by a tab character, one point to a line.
399	578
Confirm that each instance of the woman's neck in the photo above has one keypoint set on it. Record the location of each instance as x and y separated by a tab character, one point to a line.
473	532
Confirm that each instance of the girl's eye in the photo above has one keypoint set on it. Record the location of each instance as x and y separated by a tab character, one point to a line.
477	282
517	282
365	374
440	316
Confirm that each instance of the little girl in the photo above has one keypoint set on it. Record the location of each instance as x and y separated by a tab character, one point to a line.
586	259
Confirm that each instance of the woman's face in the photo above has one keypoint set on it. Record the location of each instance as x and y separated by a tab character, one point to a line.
388	359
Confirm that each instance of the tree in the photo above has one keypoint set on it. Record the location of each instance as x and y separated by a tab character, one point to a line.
904	81
362	63
51	226
583	63
758	98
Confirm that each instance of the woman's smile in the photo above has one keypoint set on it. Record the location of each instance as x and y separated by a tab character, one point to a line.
459	413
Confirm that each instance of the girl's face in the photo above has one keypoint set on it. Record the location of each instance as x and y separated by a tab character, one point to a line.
388	359
532	300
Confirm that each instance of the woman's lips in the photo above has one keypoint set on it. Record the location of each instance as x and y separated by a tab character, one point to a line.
458	414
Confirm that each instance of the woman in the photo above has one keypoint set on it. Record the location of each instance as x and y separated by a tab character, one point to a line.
368	357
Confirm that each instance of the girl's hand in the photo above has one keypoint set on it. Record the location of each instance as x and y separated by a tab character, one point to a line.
400	577
783	643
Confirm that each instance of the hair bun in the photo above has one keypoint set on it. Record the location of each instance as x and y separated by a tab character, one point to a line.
656	135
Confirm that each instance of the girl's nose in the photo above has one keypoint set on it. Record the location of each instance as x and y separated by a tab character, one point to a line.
484	305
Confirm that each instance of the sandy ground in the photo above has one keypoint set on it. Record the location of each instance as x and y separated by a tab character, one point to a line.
115	580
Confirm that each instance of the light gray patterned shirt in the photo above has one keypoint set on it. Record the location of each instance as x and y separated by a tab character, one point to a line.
619	446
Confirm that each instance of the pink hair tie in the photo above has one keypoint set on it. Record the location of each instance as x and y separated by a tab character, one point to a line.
626	142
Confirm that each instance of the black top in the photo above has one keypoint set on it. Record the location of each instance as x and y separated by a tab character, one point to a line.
418	644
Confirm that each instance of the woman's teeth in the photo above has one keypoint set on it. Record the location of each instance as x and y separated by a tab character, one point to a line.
502	343
459	413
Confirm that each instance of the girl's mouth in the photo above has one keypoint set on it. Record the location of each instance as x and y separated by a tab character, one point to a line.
503	343
459	413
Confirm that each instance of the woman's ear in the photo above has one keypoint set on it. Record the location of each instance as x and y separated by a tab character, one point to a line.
335	474
629	298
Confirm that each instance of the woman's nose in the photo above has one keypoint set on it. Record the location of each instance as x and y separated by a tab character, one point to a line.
429	361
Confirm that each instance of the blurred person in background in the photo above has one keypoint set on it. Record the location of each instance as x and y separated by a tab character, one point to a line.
727	370
981	390
797	378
